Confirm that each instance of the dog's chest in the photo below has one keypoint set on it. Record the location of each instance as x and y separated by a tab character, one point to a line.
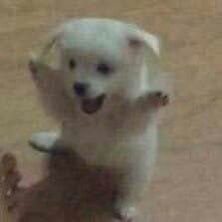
108	139
95	131
106	128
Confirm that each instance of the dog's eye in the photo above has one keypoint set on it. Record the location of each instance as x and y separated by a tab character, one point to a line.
104	68
72	64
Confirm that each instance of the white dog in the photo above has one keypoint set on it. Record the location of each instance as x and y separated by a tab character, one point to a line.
103	91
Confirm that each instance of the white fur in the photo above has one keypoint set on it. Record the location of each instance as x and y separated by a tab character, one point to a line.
123	134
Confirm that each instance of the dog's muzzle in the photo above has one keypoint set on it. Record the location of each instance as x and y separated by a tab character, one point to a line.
92	105
80	89
88	105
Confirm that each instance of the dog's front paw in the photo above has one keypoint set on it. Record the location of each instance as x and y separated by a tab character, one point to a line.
159	98
44	141
125	212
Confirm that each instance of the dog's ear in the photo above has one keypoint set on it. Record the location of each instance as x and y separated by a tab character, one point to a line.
145	40
47	51
45	59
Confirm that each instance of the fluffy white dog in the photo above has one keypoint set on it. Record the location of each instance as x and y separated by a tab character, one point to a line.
103	90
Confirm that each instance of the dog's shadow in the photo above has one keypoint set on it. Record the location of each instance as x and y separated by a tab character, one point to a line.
72	191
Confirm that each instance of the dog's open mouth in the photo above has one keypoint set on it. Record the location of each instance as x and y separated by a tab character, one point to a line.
92	105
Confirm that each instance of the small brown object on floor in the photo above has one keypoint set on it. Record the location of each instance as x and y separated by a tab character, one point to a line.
10	177
8	163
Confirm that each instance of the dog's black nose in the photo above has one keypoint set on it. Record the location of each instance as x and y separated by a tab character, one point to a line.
80	89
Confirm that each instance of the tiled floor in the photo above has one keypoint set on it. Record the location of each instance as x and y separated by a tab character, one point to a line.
187	184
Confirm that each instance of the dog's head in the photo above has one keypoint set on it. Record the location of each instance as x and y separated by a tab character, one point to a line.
101	58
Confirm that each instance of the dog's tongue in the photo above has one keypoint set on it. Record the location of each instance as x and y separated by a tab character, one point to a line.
92	105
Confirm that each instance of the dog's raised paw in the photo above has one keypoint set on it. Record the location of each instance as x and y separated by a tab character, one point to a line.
125	214
159	98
